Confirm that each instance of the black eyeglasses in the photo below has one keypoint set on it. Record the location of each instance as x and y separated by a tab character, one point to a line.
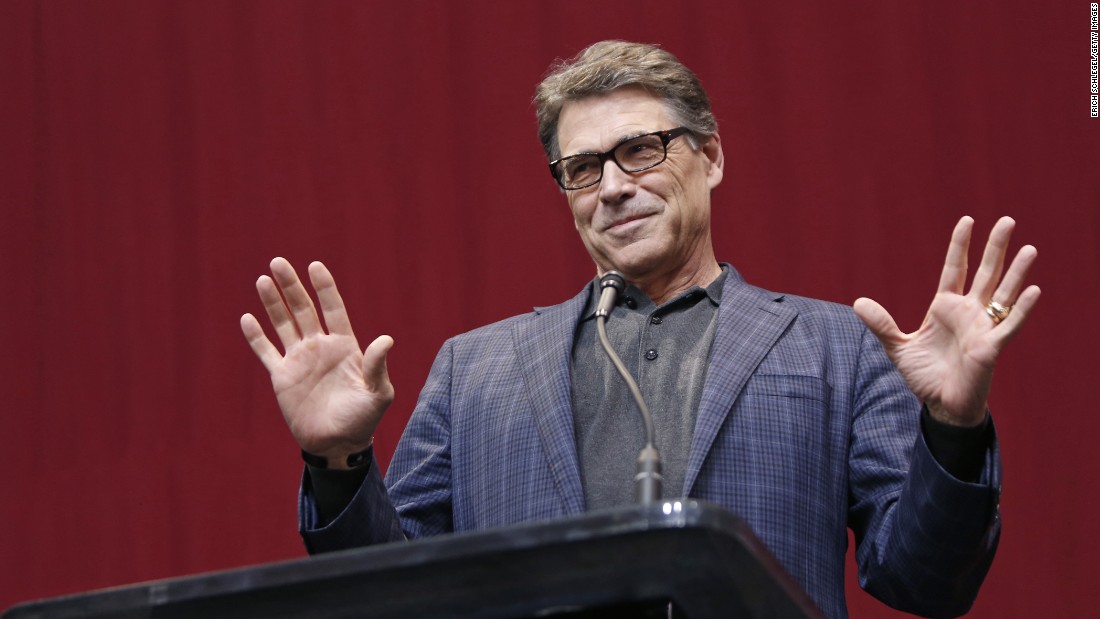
634	155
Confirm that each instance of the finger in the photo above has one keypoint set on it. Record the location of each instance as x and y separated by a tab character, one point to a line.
332	306
953	277
375	375
1010	326
297	299
1013	280
993	260
277	312
879	321
264	349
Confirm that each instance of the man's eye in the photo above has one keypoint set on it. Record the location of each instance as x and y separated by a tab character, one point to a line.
574	168
640	152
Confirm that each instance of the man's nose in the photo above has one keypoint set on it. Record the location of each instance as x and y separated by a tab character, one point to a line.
615	185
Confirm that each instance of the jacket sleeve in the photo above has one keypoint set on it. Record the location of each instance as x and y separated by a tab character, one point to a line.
925	540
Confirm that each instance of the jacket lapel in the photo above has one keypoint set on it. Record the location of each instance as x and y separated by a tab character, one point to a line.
750	321
544	346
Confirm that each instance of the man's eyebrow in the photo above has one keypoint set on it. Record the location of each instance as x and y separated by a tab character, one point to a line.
619	142
630	136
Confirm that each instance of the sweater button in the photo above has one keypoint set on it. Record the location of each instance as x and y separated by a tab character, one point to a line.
651	354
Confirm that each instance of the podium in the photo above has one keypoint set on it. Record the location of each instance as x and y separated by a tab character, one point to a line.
679	558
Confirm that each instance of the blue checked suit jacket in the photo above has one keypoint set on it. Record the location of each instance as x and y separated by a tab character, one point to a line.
804	429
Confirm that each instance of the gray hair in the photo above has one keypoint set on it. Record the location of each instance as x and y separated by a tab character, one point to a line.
609	65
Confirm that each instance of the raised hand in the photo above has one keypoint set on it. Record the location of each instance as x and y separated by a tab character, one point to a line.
332	395
948	362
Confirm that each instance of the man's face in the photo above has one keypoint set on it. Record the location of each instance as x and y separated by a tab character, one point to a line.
646	223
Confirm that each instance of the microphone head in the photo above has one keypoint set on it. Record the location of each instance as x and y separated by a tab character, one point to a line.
613	279
611	286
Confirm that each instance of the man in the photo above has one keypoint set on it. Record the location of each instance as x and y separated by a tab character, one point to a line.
786	410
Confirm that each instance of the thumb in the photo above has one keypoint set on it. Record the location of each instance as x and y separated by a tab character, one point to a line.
878	320
375	375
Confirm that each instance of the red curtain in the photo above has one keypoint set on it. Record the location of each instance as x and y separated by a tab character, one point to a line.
156	155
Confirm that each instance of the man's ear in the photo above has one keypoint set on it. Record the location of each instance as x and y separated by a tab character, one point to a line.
712	148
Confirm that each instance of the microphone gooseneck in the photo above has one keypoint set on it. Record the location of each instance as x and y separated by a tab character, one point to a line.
647	481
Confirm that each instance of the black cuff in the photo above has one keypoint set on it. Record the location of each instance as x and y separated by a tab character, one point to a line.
958	449
359	458
333	489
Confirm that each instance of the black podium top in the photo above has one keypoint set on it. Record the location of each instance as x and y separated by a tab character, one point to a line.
695	558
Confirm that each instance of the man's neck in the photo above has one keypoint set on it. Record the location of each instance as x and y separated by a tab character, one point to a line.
664	286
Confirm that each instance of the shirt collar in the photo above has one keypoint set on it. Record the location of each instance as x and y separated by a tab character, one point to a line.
642	303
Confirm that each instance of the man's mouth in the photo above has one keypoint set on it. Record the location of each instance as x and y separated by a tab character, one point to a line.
624	221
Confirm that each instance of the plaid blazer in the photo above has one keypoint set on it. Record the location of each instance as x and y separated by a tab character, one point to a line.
804	429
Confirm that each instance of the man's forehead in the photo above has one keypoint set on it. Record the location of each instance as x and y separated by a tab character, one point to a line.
600	122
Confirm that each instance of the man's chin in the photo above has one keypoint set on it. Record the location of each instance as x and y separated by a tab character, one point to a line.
634	262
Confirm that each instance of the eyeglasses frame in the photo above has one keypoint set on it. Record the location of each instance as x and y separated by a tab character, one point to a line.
666	136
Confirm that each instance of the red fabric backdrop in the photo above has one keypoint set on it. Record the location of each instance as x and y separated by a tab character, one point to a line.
155	156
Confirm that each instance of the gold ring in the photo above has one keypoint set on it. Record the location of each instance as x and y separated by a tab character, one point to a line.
997	312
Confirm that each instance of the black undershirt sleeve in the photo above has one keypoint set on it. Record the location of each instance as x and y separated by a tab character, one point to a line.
959	450
333	489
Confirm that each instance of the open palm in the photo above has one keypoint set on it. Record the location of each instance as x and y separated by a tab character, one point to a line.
331	394
948	362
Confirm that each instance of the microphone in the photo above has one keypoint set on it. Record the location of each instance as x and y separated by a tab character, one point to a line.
611	285
647	481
